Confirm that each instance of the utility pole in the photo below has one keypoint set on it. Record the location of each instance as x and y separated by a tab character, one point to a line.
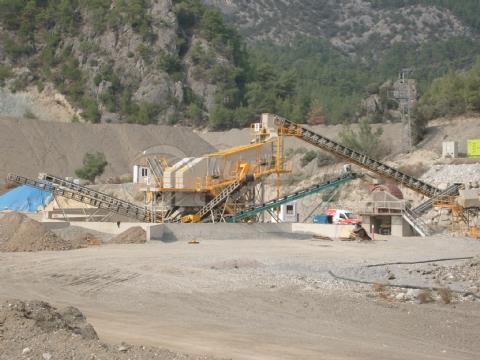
405	98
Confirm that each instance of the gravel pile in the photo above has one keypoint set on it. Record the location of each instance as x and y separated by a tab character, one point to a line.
468	274
79	235
36	330
450	174
134	235
20	233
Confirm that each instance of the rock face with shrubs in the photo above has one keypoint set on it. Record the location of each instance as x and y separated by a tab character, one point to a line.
121	61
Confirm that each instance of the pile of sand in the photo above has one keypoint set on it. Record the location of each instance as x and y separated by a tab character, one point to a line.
20	233
134	235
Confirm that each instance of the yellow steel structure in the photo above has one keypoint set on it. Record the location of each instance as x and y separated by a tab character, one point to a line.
259	168
187	184
459	215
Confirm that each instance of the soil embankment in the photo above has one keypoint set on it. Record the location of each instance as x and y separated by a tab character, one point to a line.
28	146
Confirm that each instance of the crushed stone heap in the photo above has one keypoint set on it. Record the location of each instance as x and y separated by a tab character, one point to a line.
451	174
134	235
37	330
20	233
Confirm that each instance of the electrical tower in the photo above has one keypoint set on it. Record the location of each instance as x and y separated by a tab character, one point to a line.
406	95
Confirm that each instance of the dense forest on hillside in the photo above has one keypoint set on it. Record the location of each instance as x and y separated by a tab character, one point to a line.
455	93
326	78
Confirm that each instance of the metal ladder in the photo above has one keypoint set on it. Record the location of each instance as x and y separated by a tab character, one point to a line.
417	223
290	128
156	169
257	209
220	198
70	190
428	204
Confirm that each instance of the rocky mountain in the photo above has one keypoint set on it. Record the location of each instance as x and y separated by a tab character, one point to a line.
349	25
140	61
185	62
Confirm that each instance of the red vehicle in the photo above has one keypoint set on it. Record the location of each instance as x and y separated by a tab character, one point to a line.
343	217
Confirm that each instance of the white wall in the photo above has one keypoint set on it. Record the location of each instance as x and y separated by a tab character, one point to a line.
330	230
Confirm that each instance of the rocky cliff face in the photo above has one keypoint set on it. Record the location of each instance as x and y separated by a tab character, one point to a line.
118	63
349	25
121	54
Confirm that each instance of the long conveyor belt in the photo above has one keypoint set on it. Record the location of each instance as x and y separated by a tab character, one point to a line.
289	128
257	209
70	190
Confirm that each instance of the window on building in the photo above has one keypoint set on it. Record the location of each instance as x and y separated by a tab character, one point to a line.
289	209
144	172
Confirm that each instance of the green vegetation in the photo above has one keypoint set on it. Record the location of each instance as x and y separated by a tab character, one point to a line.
93	165
328	86
455	93
5	73
231	78
41	22
365	140
308	157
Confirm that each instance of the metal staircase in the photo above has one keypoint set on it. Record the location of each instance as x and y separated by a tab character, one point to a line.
428	204
289	128
221	198
417	223
70	190
257	209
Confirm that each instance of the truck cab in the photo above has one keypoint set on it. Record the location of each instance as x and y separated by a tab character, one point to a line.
340	216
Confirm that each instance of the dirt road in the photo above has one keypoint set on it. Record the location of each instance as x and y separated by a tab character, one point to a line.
269	299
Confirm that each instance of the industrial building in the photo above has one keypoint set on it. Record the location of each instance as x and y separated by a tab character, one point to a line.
228	185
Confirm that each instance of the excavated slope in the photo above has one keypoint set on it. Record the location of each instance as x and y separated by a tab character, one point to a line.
28	147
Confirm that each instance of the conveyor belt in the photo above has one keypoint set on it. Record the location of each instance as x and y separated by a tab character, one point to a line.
257	209
220	198
428	204
70	190
416	222
289	128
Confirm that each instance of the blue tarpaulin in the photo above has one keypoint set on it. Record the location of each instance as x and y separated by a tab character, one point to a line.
25	199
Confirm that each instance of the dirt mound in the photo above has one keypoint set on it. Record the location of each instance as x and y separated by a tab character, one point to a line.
39	317
81	236
36	330
20	233
134	235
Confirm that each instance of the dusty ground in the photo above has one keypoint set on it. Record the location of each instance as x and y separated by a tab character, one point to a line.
246	299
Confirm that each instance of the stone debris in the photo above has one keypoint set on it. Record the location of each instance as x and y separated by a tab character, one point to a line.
37	330
20	233
134	235
462	277
445	175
